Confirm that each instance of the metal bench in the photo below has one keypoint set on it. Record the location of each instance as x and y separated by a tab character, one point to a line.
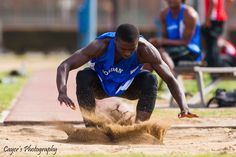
217	70
198	71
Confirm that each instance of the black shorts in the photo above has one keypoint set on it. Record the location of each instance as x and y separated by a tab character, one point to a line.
143	88
180	53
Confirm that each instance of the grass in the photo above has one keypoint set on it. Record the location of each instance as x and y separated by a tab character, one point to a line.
144	155
33	62
9	91
190	85
229	85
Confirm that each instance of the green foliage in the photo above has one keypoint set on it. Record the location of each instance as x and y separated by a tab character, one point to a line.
9	91
191	84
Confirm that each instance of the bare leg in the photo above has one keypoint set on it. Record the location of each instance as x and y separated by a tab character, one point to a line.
167	59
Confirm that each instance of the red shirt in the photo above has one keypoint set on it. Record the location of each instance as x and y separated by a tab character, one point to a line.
218	12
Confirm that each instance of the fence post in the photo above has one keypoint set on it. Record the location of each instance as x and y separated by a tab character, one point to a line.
87	22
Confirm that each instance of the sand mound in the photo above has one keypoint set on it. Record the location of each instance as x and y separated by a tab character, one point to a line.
116	126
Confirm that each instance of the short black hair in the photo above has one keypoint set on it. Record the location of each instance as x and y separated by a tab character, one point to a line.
127	33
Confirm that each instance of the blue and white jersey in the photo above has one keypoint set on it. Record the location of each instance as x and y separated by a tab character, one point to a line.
115	78
175	29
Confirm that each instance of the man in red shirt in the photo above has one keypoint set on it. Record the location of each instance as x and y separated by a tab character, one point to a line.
215	13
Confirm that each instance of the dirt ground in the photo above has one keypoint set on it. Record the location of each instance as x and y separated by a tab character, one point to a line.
31	139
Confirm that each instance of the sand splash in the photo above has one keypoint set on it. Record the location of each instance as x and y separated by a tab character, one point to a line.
116	126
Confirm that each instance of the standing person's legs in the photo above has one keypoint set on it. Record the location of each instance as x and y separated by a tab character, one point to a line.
212	54
208	45
144	88
88	88
167	59
211	35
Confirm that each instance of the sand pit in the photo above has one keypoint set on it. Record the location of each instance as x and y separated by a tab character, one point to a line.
115	125
176	141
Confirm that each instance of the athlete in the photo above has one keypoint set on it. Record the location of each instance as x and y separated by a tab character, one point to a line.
116	61
180	34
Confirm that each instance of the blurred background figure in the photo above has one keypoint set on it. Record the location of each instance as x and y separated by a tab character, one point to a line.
180	34
216	16
227	52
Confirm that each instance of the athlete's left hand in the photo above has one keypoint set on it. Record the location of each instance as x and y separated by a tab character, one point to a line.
188	115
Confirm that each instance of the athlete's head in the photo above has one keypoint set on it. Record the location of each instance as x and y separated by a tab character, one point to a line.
127	37
174	3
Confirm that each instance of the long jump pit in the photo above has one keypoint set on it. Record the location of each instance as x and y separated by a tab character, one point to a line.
114	131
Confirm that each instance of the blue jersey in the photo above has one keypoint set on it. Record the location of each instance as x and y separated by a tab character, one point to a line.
115	78
175	29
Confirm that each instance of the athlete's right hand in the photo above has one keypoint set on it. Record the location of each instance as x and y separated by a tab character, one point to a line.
63	98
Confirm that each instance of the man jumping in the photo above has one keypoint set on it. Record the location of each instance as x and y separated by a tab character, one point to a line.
116	70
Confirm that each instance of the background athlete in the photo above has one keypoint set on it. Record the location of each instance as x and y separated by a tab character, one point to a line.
180	34
116	70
